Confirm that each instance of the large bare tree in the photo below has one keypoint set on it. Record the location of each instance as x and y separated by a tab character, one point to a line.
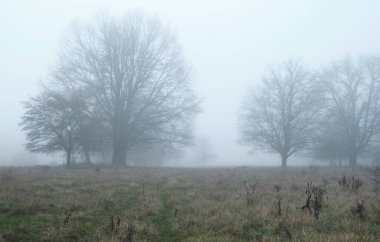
52	122
280	115
353	96
134	70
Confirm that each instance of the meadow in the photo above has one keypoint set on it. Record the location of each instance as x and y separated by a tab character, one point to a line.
188	204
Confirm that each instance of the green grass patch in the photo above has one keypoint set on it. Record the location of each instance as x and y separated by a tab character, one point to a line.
162	221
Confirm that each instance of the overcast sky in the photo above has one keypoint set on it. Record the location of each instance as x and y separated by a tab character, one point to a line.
228	43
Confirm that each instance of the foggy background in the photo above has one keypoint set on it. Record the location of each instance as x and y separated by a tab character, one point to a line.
229	44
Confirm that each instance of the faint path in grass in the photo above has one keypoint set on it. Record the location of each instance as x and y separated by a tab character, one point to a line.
162	221
131	197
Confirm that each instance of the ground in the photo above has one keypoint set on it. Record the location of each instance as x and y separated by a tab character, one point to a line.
178	204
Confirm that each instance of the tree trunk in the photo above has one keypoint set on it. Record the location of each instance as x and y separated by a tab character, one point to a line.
284	160
123	156
353	159
68	159
119	156
115	155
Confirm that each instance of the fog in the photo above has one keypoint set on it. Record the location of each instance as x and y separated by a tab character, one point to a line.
228	44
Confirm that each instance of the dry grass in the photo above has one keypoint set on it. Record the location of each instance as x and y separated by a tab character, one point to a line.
146	204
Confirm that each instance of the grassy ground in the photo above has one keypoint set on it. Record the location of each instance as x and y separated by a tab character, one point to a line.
163	204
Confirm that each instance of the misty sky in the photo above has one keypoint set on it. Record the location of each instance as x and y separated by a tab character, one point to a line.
229	44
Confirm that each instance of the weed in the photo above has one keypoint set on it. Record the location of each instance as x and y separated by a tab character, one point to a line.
277	187
353	184
130	232
279	211
358	209
66	219
249	192
283	231
314	199
112	224
356	184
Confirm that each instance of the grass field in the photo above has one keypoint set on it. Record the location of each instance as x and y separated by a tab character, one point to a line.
173	204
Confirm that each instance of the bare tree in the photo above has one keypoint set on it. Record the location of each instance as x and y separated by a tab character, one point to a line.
52	121
204	151
90	137
329	142
91	132
353	96
134	70
152	154
281	114
329	149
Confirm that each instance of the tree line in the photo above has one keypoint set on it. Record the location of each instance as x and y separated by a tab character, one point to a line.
122	84
332	113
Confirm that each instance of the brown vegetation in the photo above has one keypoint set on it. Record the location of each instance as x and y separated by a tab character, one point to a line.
162	204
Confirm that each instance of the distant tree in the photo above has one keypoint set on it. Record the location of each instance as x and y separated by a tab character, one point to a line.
353	103
280	116
52	121
91	133
90	137
151	154
328	144
134	70
204	151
